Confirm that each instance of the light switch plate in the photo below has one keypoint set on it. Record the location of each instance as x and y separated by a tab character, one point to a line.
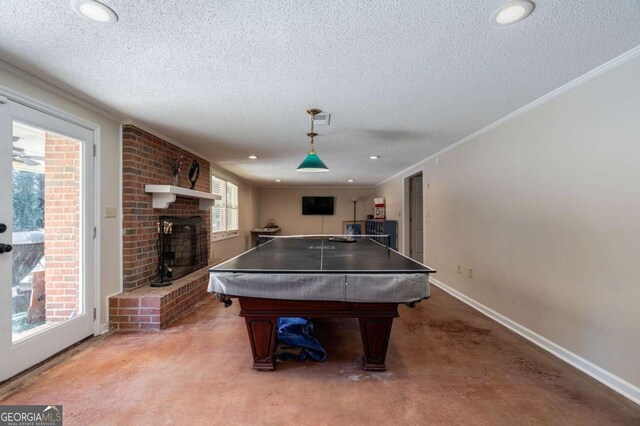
110	212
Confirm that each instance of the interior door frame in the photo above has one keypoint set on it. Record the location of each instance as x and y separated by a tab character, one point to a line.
406	213
412	219
93	147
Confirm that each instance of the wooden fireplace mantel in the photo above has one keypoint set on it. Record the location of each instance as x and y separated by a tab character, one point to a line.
163	195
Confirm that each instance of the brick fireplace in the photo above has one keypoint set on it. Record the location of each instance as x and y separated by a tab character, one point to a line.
146	160
182	246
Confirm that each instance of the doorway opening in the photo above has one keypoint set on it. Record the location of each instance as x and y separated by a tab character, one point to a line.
416	220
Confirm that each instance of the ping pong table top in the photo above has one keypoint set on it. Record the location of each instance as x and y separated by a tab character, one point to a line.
322	255
293	277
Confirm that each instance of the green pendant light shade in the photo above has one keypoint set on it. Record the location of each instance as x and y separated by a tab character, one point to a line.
312	163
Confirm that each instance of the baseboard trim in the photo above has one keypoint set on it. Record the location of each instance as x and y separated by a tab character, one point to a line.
614	382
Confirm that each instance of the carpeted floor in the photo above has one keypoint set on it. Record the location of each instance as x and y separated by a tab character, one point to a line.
447	364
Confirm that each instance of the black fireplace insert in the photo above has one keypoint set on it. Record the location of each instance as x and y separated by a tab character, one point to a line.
182	247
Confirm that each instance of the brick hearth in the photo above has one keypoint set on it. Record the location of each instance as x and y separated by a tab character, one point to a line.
153	308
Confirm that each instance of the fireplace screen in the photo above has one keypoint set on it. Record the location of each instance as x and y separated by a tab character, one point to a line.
182	247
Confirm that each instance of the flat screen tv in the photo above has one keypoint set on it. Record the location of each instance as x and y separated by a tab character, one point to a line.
317	205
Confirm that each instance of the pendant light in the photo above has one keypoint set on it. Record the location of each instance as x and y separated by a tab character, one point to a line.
312	163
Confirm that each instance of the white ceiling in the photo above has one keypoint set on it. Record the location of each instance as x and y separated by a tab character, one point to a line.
402	79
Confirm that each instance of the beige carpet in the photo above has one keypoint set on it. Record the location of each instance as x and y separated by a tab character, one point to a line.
446	364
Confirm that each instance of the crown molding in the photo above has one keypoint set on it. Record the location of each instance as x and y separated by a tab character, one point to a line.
154	132
607	66
303	186
55	90
214	168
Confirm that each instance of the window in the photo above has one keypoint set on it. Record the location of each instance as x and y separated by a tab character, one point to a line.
224	214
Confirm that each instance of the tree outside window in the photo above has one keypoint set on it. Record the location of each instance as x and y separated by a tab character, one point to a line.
28	204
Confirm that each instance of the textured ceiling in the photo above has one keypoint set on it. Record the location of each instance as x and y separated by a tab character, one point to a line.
402	79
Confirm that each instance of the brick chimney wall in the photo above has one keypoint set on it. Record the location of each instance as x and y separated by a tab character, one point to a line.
147	159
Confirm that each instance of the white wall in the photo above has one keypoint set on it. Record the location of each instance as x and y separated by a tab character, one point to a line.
284	205
545	208
109	165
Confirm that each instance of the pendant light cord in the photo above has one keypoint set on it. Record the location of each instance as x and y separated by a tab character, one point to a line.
313	116
312	134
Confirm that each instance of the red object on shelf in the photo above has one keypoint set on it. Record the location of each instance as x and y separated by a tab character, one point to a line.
378	208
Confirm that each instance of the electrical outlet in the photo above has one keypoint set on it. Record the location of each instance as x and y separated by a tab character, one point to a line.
459	268
470	272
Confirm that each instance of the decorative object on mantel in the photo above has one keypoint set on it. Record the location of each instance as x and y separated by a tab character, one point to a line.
312	163
176	169
194	173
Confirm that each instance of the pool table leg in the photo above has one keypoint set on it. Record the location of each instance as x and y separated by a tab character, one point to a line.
262	337
375	332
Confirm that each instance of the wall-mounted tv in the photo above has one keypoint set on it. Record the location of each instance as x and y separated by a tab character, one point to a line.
317	205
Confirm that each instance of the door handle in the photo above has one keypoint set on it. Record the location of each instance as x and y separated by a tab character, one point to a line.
5	248
3	228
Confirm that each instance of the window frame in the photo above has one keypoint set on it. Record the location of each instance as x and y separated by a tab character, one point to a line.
223	204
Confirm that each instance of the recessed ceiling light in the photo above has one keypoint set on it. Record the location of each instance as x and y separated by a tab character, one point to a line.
253	157
374	157
278	180
512	12
94	11
351	180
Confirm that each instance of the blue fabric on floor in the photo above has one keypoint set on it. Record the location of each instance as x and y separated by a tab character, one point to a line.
296	332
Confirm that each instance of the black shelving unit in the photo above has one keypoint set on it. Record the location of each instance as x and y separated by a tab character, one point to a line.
384	227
